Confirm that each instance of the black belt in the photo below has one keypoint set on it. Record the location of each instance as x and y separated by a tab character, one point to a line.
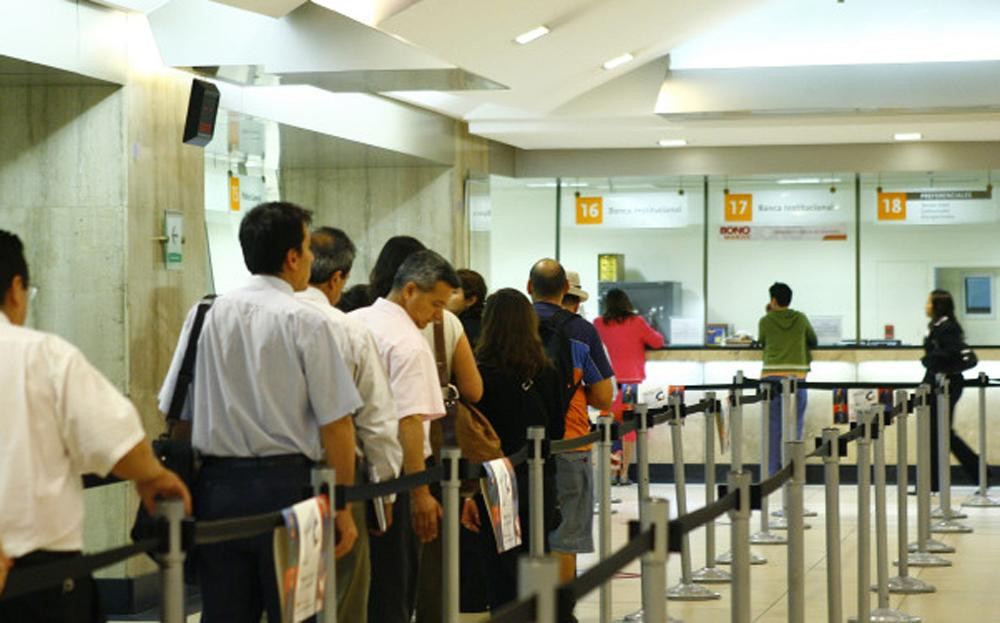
258	462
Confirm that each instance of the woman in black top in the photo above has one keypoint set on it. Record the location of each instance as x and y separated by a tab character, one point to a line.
942	355
520	389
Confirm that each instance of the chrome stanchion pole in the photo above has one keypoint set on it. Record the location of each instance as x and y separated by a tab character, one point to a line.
710	574
883	613
765	536
921	552
654	563
642	473
831	470
536	491
449	534
740	537
172	562
947	523
982	498
795	450
736	444
604	452
324	480
864	516
540	577
686	590
779	517
904	583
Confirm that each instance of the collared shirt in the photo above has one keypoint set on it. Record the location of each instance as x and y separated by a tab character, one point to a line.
408	360
268	374
59	419
376	423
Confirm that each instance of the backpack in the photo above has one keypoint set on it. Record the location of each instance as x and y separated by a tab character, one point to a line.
560	351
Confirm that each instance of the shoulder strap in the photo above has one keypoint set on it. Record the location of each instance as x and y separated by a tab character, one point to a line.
186	374
440	354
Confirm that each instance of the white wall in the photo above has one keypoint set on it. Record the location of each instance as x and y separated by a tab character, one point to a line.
523	230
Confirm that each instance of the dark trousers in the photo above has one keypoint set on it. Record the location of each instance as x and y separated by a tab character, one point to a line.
966	456
76	601
395	560
237	578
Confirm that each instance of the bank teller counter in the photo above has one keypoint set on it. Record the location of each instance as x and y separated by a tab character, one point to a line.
679	366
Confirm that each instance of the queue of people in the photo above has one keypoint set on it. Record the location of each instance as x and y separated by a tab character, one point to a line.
293	370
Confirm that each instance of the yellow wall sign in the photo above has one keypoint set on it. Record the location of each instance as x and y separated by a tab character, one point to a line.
739	208
234	193
892	206
589	210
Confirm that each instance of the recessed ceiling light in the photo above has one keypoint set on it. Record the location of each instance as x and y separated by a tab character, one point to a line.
810	180
618	61
531	35
672	142
908	136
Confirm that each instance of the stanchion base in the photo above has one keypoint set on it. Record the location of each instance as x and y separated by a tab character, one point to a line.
784	526
933	547
727	559
949	526
639	617
938	513
767	538
908	585
780	513
808	512
926	559
777	523
888	615
691	592
981	501
711	575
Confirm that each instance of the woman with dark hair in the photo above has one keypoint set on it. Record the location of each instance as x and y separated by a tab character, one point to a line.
394	252
626	335
521	388
468	305
942	355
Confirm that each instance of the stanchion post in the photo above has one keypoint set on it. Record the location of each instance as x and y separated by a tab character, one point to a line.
654	563
904	583
450	486
324	480
982	498
947	523
740	537
536	490
642	478
172	561
796	533
765	536
540	577
921	552
604	453
710	574
686	590
831	469
864	517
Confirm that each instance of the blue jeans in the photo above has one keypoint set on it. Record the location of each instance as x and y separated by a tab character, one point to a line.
774	436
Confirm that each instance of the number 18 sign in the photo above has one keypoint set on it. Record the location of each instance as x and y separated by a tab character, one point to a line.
892	206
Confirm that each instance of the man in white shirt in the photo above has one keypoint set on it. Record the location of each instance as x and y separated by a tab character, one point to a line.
60	419
421	288
376	423
271	396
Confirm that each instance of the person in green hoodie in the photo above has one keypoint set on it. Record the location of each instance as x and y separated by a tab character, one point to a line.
786	337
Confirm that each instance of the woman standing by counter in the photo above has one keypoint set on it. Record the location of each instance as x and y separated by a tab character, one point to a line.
943	355
626	336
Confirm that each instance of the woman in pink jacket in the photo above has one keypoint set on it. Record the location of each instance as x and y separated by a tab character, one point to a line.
626	335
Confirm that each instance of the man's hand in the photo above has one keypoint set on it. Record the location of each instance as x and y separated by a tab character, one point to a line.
388	521
425	513
470	515
346	533
164	484
5	565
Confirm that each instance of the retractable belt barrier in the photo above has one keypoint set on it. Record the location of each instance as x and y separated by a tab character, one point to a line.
737	498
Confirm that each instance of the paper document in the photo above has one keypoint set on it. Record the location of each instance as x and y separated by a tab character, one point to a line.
500	493
304	578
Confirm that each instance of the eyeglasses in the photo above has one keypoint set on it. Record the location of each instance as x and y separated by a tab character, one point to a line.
32	293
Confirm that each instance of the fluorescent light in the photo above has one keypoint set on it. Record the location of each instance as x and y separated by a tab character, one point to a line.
531	35
672	142
618	61
553	185
908	136
810	180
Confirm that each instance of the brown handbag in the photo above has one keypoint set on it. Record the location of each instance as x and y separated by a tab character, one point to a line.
463	425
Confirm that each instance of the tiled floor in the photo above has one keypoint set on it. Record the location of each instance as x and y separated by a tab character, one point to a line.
964	591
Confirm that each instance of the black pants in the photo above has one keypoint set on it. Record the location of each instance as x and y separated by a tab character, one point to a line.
76	601
966	456
237	578
395	558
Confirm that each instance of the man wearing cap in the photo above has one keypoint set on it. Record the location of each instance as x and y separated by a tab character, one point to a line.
575	295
